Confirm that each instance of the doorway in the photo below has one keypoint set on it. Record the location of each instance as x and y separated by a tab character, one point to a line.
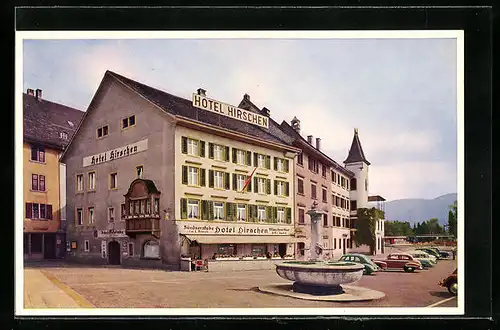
282	249
114	253
49	246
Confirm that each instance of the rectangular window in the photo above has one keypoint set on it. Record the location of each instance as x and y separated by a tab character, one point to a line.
193	206
300	186
34	182
301	216
156	205
241	157
143	206
102	131
136	207
281	215
258	250
130	249
261	161
91	215
148	206
139	171
333	176
240	179
325	220
123	211
91	181
241	212
113	180
280	165
86	245
79	182
354	205
41	178
300	159
218	211
193	176
301	247
127	122
79	216
218	179
313	191
226	249
323	170
192	147
261	213
111	214
38	154
325	199
43	211
261	185
219	152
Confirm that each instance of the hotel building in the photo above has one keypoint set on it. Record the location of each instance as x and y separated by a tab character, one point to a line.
47	128
152	177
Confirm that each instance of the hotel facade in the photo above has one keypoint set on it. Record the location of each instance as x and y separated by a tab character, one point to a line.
152	177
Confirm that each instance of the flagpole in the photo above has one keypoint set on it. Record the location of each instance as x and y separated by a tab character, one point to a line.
248	180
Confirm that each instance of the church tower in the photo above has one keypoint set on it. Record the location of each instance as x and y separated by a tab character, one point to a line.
357	163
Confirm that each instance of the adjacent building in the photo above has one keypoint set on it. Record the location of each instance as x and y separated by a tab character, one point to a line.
152	177
47	128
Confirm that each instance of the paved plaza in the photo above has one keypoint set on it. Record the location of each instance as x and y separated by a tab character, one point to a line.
71	286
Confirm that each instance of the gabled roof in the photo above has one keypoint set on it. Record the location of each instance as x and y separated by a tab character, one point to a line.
356	153
43	121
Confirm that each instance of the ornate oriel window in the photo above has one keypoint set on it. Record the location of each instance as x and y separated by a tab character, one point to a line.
141	207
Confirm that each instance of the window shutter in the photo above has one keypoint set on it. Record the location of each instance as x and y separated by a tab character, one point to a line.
49	212
269	214
268	162
287	189
233	211
204	210
234	155
287	162
29	210
210	150
226	153
275	214
255	159
234	181
211	178
255	185
202	148
249	186
228	211
268	186
203	176
184	175
249	158
288	215
275	163
275	187
254	213
183	208
184	145
210	210
226	181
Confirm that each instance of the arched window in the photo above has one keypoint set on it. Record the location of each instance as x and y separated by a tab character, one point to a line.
151	249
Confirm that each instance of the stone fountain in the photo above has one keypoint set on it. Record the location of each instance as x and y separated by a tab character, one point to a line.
318	279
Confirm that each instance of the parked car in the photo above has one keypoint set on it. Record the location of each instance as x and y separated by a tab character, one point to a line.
381	265
402	261
442	254
422	257
370	266
431	252
450	283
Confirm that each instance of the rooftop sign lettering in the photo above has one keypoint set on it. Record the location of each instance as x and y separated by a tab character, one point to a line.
227	110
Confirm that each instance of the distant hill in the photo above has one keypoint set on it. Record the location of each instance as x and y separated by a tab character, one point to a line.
419	210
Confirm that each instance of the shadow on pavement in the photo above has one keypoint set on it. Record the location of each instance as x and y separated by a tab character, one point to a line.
441	294
66	264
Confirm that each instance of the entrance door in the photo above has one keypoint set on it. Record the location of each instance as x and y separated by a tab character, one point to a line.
49	248
282	249
114	253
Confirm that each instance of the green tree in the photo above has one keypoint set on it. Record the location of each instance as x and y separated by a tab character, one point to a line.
365	227
397	228
452	220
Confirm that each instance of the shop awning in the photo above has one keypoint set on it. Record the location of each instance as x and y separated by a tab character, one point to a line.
214	239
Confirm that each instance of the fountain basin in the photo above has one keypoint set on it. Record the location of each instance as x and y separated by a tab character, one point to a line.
320	273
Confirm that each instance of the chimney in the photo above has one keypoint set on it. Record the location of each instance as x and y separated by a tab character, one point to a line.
296	124
38	94
201	92
310	139
318	143
246	97
30	92
266	111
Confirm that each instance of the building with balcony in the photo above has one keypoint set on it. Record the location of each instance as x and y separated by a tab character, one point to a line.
47	128
153	177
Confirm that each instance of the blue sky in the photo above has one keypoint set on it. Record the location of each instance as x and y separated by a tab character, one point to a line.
400	93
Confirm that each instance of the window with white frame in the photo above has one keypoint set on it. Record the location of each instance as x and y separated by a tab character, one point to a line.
241	211
79	216
111	214
79	182
240	179
63	135
241	157
281	215
192	147
218	211
280	186
193	206
86	245
91	215
130	249
261	213
193	175
261	185
218	152
280	165
139	170
261	161
113	180
91	180
219	179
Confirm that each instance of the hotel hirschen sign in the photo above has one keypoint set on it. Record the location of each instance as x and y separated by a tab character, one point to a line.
113	154
227	110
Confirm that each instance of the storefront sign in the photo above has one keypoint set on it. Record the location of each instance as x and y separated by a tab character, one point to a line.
113	154
224	109
111	233
103	249
186	227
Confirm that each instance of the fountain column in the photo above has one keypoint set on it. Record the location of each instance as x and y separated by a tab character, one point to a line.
315	230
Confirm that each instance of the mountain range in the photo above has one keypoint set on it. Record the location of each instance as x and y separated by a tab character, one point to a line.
419	210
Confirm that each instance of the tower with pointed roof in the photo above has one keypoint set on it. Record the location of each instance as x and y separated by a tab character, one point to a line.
357	163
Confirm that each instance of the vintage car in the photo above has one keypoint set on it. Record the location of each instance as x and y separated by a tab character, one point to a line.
431	252
442	254
422	257
450	283
402	261
370	266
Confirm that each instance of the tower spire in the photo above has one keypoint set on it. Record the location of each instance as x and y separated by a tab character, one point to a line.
356	153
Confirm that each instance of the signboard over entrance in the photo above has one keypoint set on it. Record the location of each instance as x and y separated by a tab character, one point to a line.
228	110
190	227
111	233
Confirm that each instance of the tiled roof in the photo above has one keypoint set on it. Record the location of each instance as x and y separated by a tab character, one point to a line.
43	121
356	153
179	106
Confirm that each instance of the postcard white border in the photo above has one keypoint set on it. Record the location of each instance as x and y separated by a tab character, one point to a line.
18	203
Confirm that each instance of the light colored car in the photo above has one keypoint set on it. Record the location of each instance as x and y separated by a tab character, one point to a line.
370	266
402	261
423	257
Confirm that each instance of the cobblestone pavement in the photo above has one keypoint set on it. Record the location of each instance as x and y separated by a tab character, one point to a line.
141	288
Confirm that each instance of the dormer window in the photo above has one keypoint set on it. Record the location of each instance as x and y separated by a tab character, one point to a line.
63	135
70	123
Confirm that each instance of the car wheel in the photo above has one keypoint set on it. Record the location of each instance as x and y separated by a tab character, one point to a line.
409	269
453	288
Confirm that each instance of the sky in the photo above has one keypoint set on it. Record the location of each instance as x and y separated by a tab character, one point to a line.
401	94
